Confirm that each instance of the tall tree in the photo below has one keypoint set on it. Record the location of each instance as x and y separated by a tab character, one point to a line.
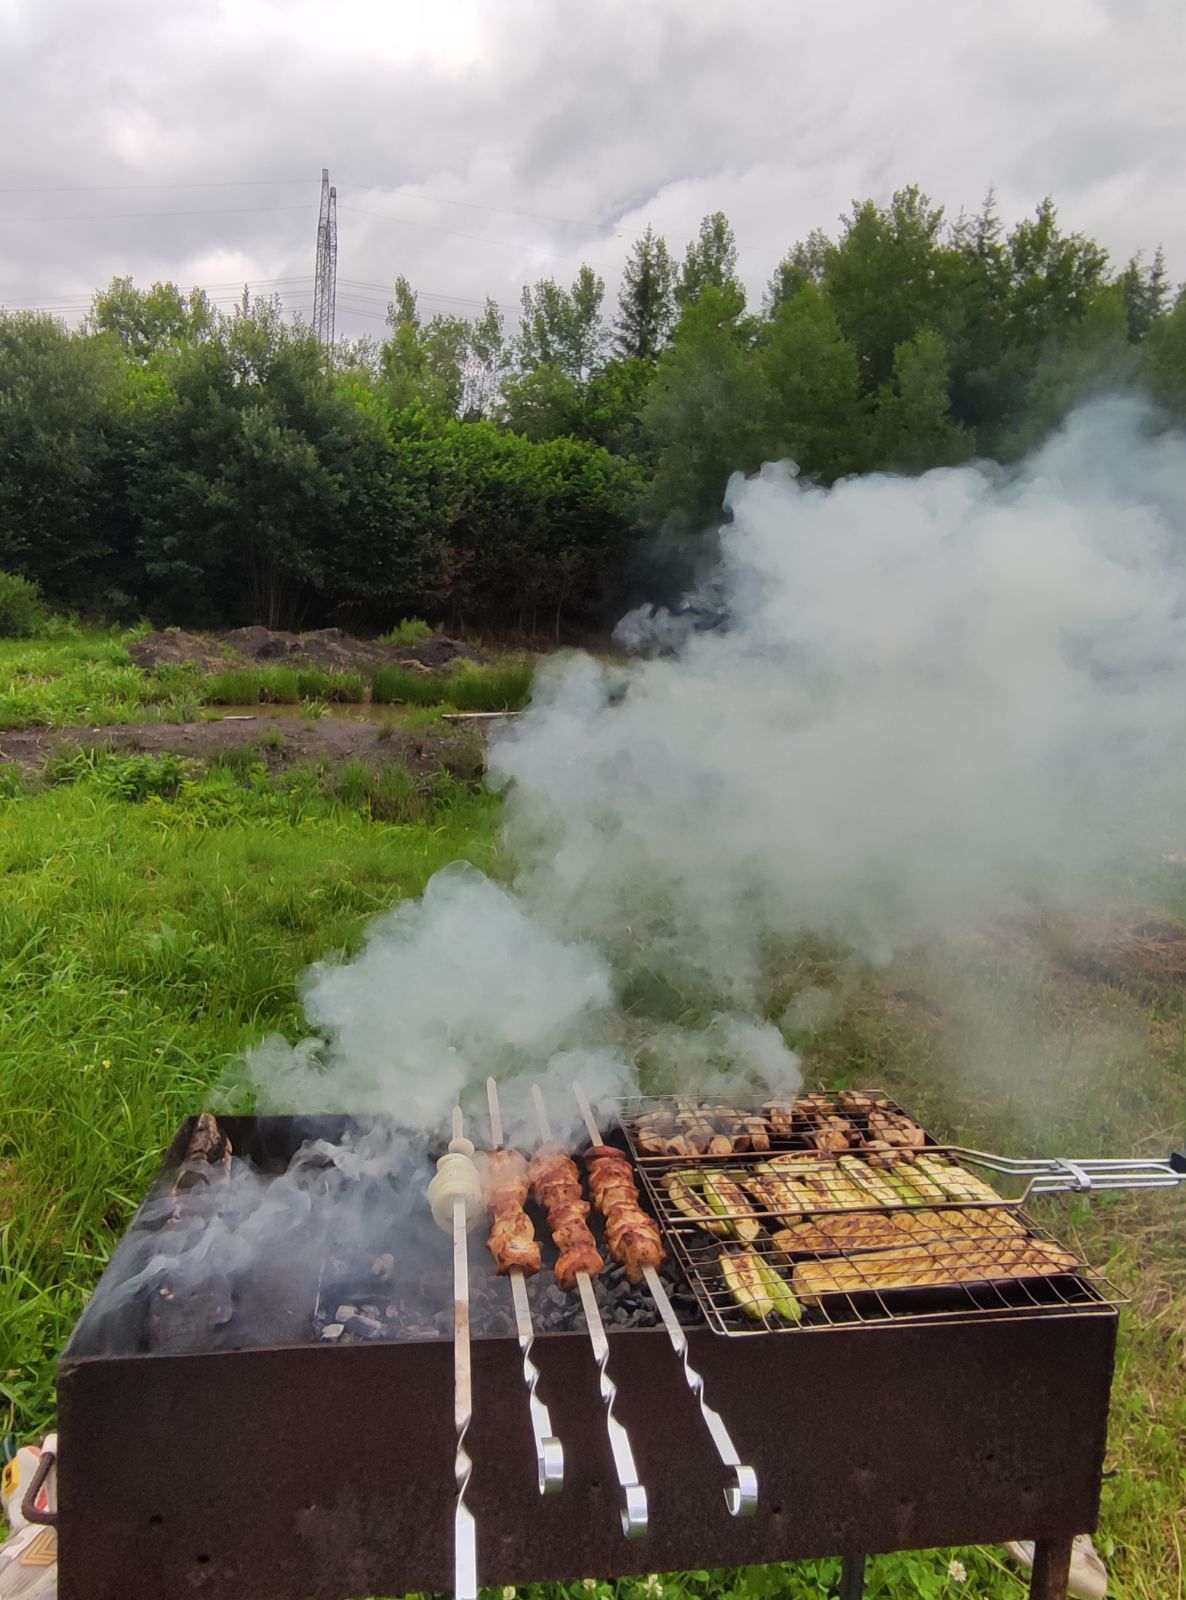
703	415
562	328
886	279
815	414
1146	290
149	320
58	394
646	300
1054	276
424	361
804	263
710	261
916	430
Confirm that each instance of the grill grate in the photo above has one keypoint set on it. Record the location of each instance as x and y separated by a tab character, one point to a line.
832	1211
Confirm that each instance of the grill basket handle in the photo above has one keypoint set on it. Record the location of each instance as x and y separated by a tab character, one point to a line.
44	1519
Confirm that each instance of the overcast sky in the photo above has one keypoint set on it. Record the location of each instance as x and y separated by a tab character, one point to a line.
478	146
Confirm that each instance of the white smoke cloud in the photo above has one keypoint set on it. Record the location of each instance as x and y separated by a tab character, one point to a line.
445	990
933	696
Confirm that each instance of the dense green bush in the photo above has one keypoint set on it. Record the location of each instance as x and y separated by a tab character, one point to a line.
409	630
22	613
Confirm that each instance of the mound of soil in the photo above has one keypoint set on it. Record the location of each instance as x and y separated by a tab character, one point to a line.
172	648
329	648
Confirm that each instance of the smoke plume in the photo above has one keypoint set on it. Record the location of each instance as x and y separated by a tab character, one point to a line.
929	700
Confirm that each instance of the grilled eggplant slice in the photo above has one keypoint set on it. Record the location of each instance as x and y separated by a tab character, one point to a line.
746	1283
681	1189
726	1199
785	1304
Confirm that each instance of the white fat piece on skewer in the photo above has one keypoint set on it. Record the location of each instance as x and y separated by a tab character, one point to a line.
741	1496
634	1510
455	1196
549	1452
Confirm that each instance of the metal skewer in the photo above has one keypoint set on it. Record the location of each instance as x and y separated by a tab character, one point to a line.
634	1511
549	1452
455	1195
741	1496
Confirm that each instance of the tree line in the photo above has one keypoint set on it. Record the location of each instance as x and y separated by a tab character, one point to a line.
212	468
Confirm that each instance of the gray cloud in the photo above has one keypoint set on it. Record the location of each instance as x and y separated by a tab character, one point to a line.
610	115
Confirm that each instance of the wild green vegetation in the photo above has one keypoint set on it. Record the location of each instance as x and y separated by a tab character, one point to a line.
86	677
208	469
156	916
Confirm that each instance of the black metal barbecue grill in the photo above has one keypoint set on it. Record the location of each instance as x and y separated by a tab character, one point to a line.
282	1431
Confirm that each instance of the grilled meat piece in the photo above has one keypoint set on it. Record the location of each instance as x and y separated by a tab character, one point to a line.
857	1103
556	1185
512	1240
891	1127
576	1259
631	1234
780	1115
939	1266
505	1178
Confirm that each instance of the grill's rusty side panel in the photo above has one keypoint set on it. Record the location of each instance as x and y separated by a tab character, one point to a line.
313	1473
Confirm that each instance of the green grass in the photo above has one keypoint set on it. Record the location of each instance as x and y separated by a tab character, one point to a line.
408	631
401	686
154	920
87	677
501	686
284	686
141	946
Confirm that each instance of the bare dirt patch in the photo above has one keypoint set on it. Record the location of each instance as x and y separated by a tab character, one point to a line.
331	741
1140	951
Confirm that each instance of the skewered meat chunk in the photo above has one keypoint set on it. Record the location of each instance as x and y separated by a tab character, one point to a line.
512	1240
556	1185
938	1267
505	1178
576	1259
631	1234
513	1244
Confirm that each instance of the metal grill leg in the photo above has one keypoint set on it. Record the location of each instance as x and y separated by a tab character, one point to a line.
852	1578
1052	1569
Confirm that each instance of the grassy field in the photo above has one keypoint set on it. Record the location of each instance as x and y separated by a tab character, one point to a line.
155	919
86	677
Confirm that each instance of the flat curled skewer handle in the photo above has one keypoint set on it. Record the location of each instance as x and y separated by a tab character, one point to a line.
549	1452
741	1496
634	1510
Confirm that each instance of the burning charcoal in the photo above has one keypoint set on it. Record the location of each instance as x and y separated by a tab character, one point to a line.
332	1332
346	1312
363	1327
